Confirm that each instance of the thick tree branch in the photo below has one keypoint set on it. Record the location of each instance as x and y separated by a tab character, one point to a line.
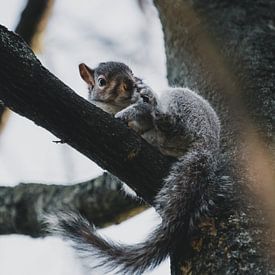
31	90
99	200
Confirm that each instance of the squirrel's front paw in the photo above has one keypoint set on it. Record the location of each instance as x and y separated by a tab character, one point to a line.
122	115
126	118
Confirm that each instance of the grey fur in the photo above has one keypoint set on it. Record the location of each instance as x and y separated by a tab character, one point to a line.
179	123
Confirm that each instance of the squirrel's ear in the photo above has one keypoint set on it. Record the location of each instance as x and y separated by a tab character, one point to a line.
87	74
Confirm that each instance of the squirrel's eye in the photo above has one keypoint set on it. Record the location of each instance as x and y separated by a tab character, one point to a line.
145	98
101	82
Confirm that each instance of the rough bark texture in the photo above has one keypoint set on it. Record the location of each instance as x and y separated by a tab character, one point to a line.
223	50
22	206
29	89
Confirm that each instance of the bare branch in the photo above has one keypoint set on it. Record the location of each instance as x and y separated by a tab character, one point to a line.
99	200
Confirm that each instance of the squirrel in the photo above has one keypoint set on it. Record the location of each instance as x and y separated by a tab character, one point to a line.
179	123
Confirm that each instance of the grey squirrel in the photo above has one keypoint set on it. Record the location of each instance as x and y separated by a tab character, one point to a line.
179	123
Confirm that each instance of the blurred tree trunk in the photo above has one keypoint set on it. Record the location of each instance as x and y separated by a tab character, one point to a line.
225	51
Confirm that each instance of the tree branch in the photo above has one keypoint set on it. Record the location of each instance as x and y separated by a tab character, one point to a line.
31	90
99	200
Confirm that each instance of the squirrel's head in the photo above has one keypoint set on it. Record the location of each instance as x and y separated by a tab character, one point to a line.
110	82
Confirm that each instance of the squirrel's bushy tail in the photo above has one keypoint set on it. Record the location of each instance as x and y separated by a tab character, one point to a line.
179	203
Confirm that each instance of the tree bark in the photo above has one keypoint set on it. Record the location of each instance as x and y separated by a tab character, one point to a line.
223	49
31	90
99	200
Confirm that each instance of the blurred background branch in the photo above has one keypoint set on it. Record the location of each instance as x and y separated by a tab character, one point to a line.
33	19
100	200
